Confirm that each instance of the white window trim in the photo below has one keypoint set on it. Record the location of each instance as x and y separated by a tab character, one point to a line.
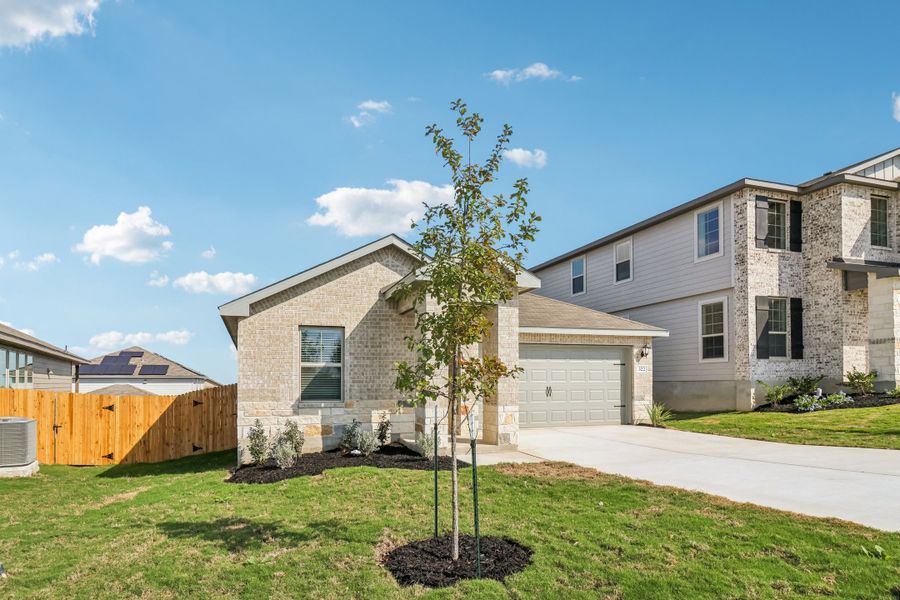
787	225
887	206
300	364
700	305
582	258
785	333
697	213
630	242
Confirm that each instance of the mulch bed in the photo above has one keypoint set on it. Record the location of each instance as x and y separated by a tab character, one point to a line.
428	563
391	456
858	402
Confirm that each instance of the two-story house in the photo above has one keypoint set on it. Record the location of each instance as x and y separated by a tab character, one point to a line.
755	281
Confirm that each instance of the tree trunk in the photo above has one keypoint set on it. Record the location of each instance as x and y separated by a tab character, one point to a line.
454	472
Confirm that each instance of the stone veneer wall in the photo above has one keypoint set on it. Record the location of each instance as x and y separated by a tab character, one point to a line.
641	384
269	351
836	222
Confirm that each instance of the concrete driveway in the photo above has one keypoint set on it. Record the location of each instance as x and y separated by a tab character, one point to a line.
856	484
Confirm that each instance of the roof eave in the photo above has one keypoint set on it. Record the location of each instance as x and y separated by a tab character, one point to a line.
654	332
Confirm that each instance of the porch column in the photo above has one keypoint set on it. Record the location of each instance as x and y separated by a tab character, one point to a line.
884	329
500	414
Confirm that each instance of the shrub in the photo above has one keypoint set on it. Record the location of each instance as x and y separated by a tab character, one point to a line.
808	403
862	382
294	437
350	439
806	385
775	393
894	393
426	443
384	430
283	453
257	442
659	415
367	442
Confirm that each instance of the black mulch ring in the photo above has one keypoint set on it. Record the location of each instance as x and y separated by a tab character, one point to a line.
391	456
428	563
858	402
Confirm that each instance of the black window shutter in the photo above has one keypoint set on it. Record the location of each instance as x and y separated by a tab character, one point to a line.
796	219
762	327
796	327
762	221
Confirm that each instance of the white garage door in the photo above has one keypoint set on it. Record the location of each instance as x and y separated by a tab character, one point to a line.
566	385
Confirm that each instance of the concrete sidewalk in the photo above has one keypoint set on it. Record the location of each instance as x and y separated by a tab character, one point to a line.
855	484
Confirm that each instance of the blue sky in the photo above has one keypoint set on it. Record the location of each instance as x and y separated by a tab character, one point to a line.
224	127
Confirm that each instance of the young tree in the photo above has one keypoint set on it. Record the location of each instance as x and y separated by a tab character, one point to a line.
472	250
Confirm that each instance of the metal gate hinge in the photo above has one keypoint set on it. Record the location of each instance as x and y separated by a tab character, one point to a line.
196	402
110	408
109	456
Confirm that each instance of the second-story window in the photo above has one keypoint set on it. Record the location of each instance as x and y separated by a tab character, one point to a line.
578	276
879	221
777	236
709	239
623	252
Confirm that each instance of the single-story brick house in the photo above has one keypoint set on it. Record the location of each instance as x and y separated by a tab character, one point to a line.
319	347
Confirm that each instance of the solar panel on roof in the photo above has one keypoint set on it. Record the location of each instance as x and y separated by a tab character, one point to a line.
107	369
154	370
131	354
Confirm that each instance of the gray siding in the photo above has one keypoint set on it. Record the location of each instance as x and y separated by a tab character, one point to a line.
677	357
663	268
52	374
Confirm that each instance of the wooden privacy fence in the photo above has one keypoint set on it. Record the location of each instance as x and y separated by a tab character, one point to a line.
90	429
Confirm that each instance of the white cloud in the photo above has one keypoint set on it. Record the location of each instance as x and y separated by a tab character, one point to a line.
379	106
533	159
227	282
896	98
109	340
37	262
536	70
209	253
157	280
25	22
135	238
13	255
368	109
373	211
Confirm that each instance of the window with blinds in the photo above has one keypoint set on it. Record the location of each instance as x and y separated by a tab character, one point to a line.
623	251
321	358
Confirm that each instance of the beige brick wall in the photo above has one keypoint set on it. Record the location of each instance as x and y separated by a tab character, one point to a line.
837	336
269	351
640	383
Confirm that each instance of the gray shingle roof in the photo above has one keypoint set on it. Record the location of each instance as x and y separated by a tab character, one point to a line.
121	389
19	339
175	370
540	311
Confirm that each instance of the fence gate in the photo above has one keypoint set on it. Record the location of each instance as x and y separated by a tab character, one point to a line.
84	429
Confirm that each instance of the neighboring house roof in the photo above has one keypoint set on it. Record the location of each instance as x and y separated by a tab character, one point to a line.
539	314
121	389
19	339
850	174
136	362
233	311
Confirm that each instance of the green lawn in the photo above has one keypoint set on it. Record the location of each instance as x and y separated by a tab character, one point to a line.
177	530
877	427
